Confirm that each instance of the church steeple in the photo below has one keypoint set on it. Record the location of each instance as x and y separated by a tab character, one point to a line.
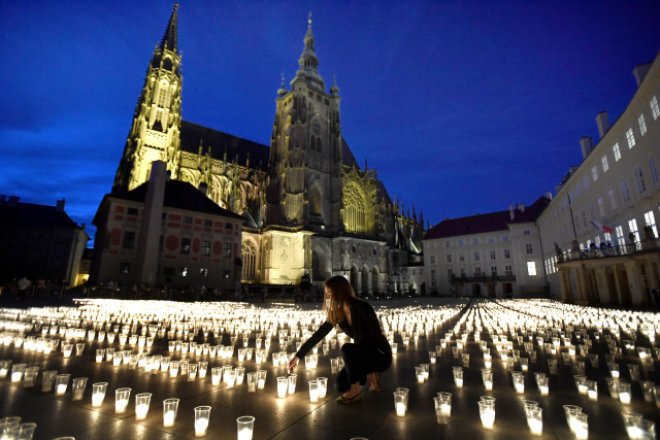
155	133
169	40
309	62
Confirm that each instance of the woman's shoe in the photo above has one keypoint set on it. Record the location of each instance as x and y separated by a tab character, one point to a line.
373	379
348	400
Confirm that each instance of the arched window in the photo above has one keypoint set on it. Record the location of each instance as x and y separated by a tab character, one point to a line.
355	210
249	258
315	198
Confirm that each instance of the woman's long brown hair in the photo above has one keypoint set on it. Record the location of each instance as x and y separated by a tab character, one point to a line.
342	292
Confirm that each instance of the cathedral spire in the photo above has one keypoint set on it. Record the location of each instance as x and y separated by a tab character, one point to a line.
309	62
169	40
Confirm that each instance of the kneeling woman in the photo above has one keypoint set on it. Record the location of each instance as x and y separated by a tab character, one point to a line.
369	355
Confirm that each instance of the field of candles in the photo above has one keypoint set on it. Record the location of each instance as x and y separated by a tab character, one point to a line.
122	369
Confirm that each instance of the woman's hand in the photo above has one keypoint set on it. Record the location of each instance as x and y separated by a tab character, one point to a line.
293	363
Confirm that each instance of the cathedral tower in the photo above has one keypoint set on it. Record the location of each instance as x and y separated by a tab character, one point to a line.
155	132
306	150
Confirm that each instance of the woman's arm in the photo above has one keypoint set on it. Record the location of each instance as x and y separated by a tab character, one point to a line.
319	334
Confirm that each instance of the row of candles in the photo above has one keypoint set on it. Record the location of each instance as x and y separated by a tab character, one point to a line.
506	328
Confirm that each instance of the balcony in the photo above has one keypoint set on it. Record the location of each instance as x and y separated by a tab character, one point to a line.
483	278
607	251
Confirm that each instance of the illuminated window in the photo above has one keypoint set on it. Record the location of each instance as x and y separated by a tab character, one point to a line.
620	239
630	136
617	152
531	268
655	109
226	249
355	209
594	173
632	225
639	180
642	125
248	254
204	271
183	271
606	164
649	219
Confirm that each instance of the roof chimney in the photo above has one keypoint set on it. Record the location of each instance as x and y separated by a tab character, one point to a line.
521	207
640	72
59	205
586	145
548	195
603	123
512	213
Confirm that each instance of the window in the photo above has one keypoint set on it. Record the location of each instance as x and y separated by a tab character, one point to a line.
620	239
432	259
460	242
461	258
649	219
462	272
227	249
228	226
528	249
612	198
492	255
632	225
208	223
630	137
639	180
505	238
448	258
491	240
125	268
204	271
187	220
607	237
601	207
129	240
625	191
508	271
493	271
432	277
616	151
594	173
507	254
169	271
655	109
526	232
477	271
642	125
450	273
132	211
206	248
654	171
448	243
185	246
476	256
475	241
605	163
531	268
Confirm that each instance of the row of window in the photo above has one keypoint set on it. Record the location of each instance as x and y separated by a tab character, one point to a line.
182	271
529	249
128	242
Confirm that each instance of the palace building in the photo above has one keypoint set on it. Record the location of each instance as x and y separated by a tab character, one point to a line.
308	208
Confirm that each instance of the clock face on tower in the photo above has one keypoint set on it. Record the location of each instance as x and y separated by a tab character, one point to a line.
316	128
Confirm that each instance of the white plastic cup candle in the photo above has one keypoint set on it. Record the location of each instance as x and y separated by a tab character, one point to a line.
100	353
202	417
282	386
98	393
244	427
142	402
592	389
240	375
535	420
518	382
61	384
624	392
4	368
323	386
581	426
487	378
442	407
487	413
47	381
202	369
458	376
261	379
292	383
30	376
252	381
419	374
216	375
313	391
170	410
78	386
17	372
122	396
400	403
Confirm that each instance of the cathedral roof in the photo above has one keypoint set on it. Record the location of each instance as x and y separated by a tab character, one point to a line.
239	149
491	222
178	195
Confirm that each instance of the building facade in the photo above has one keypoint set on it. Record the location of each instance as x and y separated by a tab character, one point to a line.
493	255
166	233
599	234
309	208
39	242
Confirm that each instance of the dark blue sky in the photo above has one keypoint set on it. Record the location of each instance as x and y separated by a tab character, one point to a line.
462	107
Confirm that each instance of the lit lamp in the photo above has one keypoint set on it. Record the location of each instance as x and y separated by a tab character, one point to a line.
202	417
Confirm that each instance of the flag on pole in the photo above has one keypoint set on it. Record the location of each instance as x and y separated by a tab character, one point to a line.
601	227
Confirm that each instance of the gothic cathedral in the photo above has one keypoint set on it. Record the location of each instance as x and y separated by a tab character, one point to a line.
310	210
